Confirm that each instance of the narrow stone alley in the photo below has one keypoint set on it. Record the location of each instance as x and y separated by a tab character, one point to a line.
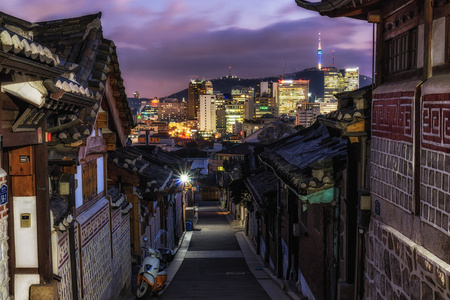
214	266
216	262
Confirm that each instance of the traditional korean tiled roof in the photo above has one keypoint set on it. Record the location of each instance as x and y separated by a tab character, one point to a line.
10	42
62	218
238	149
353	107
119	201
154	174
337	8
309	161
190	153
76	61
263	187
162	156
88	56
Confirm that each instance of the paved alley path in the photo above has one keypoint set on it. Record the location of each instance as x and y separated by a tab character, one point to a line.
214	266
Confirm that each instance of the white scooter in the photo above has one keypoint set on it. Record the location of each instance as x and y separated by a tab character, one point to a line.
152	275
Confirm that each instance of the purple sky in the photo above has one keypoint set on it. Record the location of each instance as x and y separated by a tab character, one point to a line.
163	44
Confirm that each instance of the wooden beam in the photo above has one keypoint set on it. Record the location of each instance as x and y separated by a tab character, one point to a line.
43	213
17	139
428	40
111	101
114	172
134	226
379	55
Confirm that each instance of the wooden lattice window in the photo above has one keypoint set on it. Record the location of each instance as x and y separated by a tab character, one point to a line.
89	180
402	52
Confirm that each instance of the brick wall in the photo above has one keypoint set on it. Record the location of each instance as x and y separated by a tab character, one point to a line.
435	161
97	266
95	249
397	268
65	285
4	259
121	245
407	254
392	172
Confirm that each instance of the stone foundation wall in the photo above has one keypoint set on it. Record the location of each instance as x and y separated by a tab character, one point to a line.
397	268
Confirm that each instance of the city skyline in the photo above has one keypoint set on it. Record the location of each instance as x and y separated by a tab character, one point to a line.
162	46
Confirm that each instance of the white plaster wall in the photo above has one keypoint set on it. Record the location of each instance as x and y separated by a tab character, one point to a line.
25	239
100	177
438	43
22	285
79	189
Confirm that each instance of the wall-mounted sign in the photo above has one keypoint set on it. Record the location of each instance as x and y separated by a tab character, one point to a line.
3	194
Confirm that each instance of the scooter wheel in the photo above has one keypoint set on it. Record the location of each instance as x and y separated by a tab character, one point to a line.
143	290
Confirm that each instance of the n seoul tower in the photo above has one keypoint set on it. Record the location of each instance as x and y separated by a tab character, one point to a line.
319	53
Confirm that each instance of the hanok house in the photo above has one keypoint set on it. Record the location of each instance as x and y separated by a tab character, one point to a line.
304	215
304	225
408	239
55	78
148	177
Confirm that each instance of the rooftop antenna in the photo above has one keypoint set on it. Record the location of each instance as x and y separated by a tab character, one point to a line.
333	58
229	71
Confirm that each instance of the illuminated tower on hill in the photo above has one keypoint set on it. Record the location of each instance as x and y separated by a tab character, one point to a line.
319	53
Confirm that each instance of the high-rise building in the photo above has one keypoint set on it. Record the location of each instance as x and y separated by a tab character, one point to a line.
326	108
196	88
171	110
244	96
235	117
290	93
332	83
337	81
221	119
150	110
351	79
307	113
264	100
207	113
136	95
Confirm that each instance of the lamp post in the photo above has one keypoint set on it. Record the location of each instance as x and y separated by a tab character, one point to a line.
184	179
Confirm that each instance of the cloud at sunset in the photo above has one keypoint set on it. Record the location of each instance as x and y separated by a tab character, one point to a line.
161	46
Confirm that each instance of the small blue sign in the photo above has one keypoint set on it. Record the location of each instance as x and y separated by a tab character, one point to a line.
377	207
3	194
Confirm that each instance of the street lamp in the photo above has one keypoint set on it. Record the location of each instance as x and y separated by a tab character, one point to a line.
184	178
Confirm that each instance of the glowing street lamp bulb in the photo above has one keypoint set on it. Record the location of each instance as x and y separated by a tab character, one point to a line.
184	178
